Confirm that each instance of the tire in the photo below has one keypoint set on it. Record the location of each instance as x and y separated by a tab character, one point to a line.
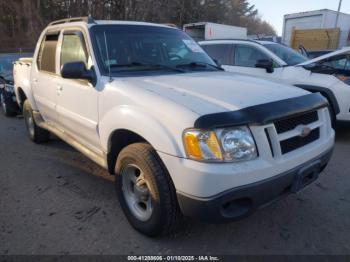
142	177
5	107
36	134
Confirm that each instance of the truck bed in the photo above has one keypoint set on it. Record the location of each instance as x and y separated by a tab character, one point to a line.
21	74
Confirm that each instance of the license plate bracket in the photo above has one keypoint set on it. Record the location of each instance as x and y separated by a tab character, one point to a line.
306	176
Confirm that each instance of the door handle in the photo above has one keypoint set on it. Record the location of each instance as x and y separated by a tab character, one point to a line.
35	81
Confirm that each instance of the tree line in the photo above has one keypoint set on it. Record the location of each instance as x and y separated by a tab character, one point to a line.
21	21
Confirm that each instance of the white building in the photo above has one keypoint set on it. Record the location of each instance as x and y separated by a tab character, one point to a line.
319	19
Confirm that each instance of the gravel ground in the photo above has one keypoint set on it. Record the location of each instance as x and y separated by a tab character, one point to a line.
53	200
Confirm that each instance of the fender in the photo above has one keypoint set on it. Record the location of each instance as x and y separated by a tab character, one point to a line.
140	122
29	95
324	91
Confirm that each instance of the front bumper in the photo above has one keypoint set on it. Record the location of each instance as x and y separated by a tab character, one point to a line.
240	202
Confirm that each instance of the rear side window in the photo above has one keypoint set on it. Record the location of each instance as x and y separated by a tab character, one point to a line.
47	54
248	56
73	49
221	53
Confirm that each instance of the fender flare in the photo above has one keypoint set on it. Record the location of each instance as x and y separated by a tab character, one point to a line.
29	95
325	92
140	123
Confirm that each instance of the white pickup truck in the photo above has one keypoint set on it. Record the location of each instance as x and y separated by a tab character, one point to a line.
180	135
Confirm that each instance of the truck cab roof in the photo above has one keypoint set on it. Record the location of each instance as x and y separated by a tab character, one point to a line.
89	22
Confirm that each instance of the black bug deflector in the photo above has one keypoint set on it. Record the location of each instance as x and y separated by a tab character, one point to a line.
264	113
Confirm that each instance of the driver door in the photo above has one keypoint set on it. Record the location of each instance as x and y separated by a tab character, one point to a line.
77	104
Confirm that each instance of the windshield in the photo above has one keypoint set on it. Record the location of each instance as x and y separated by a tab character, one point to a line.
140	49
339	65
288	55
6	63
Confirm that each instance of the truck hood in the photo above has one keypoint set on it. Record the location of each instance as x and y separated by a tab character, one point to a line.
213	92
345	50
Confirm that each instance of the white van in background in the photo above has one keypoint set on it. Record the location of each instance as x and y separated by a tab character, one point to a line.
209	31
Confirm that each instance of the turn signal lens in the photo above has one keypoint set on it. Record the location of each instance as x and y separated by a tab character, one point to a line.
192	146
344	79
202	145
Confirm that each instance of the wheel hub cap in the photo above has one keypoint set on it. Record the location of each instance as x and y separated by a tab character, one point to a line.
136	192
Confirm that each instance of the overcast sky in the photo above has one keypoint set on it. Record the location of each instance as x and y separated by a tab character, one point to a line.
274	10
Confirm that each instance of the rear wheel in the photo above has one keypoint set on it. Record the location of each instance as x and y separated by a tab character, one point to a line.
36	133
5	107
145	190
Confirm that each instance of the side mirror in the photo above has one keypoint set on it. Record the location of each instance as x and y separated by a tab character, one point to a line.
217	62
77	70
266	64
303	51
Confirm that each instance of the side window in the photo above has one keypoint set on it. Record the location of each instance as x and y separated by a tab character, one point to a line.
339	62
73	49
47	54
248	56
220	53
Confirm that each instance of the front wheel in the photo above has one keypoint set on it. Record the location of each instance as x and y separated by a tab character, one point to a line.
145	191
36	133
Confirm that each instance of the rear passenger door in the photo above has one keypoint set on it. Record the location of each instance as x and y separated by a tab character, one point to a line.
77	105
45	78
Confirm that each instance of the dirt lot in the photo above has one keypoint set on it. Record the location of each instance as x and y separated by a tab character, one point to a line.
53	200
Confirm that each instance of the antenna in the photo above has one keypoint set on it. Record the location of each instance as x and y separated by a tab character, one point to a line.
107	52
338	13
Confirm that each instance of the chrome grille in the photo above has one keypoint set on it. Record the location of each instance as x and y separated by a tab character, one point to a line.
294	143
291	123
295	132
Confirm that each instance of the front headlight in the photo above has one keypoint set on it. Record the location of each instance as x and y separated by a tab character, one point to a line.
220	145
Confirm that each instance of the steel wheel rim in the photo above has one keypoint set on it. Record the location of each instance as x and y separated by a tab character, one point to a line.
136	192
3	104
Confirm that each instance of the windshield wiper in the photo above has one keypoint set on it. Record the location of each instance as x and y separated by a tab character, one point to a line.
139	64
200	64
132	64
168	67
